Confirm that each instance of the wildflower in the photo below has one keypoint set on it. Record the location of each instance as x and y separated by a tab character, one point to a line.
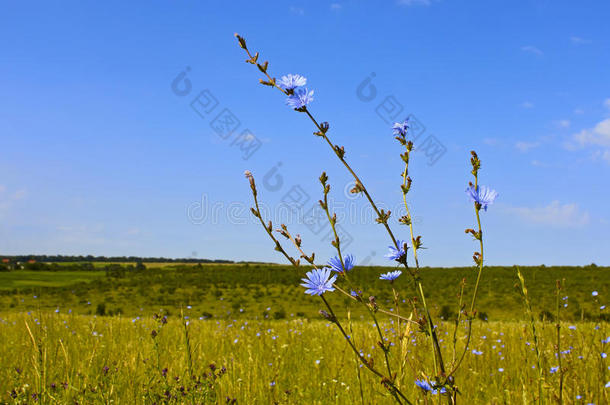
594	293
572	327
400	128
291	82
501	370
300	99
318	281
394	253
602	307
482	195
391	276
608	384
606	340
554	370
604	355
426	386
477	352
335	263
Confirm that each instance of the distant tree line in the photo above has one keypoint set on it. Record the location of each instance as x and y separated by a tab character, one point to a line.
112	259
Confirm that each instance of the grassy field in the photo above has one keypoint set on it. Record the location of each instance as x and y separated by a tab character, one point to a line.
247	332
247	291
116	360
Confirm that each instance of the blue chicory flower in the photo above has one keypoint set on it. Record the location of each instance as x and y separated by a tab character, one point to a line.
396	254
400	128
554	370
318	281
300	98
482	195
335	263
426	386
391	276
291	82
594	293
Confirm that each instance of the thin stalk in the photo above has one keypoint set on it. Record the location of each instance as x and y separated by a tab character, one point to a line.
558	327
394	390
528	308
479	236
436	350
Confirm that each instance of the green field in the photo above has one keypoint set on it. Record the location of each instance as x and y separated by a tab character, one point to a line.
86	336
228	291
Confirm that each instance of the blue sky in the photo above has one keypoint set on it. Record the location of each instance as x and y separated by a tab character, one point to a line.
102	155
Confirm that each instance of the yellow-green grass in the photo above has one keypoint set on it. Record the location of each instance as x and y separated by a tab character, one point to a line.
246	291
25	279
289	361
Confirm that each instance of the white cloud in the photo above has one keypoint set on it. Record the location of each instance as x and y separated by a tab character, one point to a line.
563	123
414	2
525	146
538	163
554	214
579	41
531	49
579	111
527	104
601	154
607	103
336	6
491	141
598	135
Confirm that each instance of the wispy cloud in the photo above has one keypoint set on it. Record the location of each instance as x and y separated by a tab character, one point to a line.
538	163
527	104
579	40
607	103
598	135
414	2
8	201
336	6
492	141
532	49
526	146
555	214
596	138
601	155
297	10
563	123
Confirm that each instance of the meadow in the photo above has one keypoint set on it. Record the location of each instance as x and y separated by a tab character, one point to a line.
214	333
